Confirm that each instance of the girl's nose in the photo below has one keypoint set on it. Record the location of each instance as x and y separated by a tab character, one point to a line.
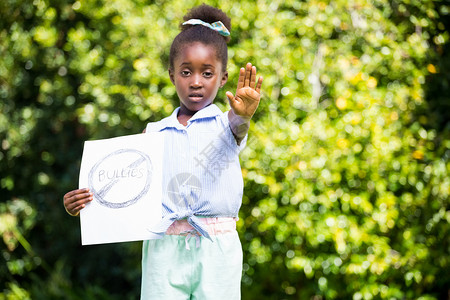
196	81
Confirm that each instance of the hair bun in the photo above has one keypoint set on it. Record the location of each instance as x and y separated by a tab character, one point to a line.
207	14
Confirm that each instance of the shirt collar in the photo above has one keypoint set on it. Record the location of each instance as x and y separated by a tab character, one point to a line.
211	111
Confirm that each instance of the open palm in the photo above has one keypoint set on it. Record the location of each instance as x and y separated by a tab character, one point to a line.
246	101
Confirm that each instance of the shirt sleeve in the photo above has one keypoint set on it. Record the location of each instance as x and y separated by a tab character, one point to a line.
229	134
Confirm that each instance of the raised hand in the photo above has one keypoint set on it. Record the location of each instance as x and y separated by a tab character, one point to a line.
246	101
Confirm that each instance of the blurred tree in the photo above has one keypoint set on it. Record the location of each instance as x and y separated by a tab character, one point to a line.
347	163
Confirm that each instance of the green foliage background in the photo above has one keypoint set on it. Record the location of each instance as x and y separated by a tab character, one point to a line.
346	169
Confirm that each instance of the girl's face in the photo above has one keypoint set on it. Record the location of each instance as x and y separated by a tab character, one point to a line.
197	76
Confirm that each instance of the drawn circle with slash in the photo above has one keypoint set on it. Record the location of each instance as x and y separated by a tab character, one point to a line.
112	176
183	189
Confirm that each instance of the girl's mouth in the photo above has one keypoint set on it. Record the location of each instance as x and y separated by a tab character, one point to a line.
195	96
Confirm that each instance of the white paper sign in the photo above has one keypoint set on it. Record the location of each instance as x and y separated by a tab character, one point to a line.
124	174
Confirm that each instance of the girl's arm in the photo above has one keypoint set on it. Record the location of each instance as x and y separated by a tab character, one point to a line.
245	103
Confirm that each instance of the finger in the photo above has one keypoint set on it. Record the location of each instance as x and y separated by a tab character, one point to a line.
75	207
258	85
241	78
253	77
75	192
229	96
248	72
77	197
75	211
232	100
72	213
78	201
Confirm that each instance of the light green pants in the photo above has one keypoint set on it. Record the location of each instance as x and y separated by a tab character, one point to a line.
209	270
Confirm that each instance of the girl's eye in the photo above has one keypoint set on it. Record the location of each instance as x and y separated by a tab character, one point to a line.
185	73
208	74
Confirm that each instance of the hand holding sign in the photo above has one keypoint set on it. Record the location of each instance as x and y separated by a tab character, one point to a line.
76	200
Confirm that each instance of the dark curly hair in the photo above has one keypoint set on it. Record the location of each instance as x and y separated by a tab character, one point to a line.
197	33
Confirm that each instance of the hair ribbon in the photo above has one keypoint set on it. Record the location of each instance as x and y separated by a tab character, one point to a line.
216	26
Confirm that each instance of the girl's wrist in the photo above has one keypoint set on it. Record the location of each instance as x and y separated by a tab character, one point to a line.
236	118
239	125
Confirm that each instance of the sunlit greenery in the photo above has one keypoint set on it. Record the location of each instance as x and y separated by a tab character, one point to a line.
347	164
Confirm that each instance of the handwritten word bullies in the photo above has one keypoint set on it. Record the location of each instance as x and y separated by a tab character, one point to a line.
121	173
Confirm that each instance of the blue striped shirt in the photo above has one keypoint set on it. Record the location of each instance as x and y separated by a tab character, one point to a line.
201	171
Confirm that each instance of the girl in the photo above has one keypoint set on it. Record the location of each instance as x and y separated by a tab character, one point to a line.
198	255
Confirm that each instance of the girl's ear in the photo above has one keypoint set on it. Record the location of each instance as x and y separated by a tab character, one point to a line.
224	79
172	76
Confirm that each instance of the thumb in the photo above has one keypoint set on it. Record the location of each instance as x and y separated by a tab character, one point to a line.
230	96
